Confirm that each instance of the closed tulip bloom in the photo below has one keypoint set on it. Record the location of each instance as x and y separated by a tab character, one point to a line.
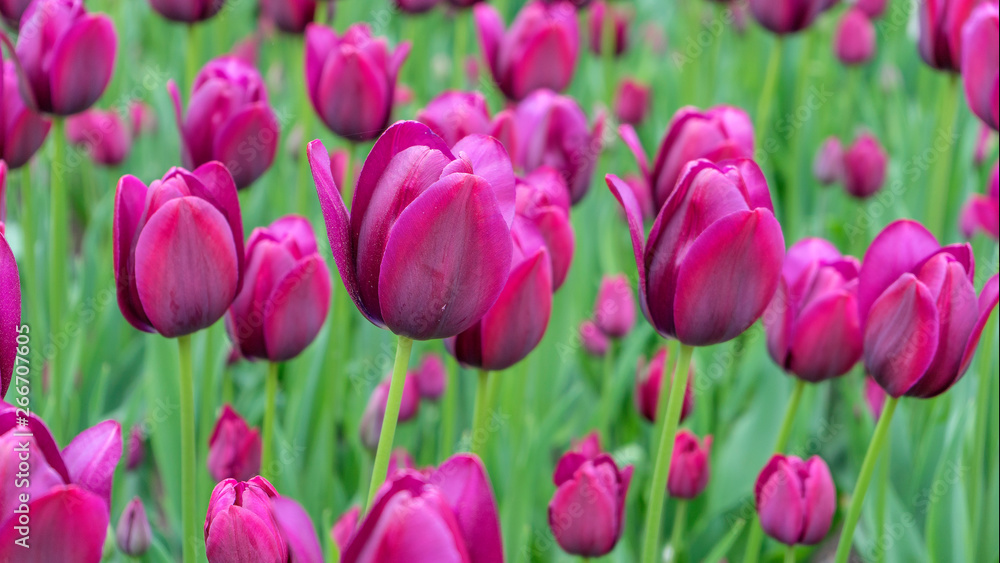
105	135
12	10
717	134
787	16
136	448
872	8
426	249
813	328
796	499
133	533
603	15
543	201
67	55
649	385
594	341
453	115
828	166
22	131
713	259
178	247
234	448
940	40
187	11
400	460
538	52
865	164
10	310
919	311
239	526
415	6
432	378
446	516
632	102
344	528
854	42
370	428
290	16
614	309
982	212
980	62
689	466
351	79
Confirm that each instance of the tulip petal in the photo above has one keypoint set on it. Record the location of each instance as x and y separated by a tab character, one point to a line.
92	457
303	297
490	160
631	139
898	249
10	314
298	531
247	143
463	481
516	323
352	95
546	61
10	420
319	42
68	525
779	502
239	535
584	515
828	328
30	130
557	231
567	466
820	496
491	30
82	63
218	188
633	215
988	300
130	202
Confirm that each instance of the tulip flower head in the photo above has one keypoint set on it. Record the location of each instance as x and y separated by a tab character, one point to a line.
783	17
344	527
865	164
415	6
454	115
22	131
940	40
872	8
105	135
632	102
234	449
609	23
187	11
543	209
828	167
12	10
290	16
614	309
239	523
649	385
854	42
980	62
370	428
10	309
432	378
982	212
796	499
594	341
133	533
136	446
689	468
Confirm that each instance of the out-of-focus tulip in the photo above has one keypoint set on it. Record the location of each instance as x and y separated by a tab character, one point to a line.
828	166
872	8
133	533
239	526
426	249
136	446
285	295
594	341
352	79
919	311
981	62
453	115
415	6
22	131
813	328
787	16
68	492
865	164
399	460
10	312
432	378
345	526
982	212
632	102
105	136
446	515
874	397
187	11
713	260
716	134
689	466
67	55
464	3
12	10
228	119
297	530
538	52
290	16
796	499
854	42
3	197
543	201
370	427
643	194
234	448
940	40
609	18
590	479
178	247
614	309
649	384
142	117
984	145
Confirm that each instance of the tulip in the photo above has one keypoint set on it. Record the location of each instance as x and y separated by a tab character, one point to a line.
286	292
105	136
828	167
614	309
543	202
234	448
178	247
713	259
187	11
587	511
982	212
290	16
594	341
448	515
136	448
142	117
397	252
464	3
351	79
415	6
297	530
22	131
980	61
874	397
632	102
133	532
788	16
344	528
608	19
854	42
12	10
984	145
940	40
717	134
796	499
919	311
872	8
865	164
228	119
67	55
813	328
689	470
432	379
643	194
239	526
10	312
538	52
400	460
453	115
370	427
649	385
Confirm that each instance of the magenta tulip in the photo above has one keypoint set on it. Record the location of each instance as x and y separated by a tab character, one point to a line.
872	8
234	448
594	341
290	16
415	6
538	52
239	526
865	164
400	460
982	212
919	311
352	79
297	530
649	386
689	468
142	116
104	135
854	42
609	18
454	115
187	11
370	427
543	202
133	533
632	102
432	378
426	249
12	10
788	16
178	247
813	328
796	499
874	397
940	40
717	134
22	131
446	516
980	62
828	167
713	260
228	119
10	311
464	3
67	55
135	448
614	309
344	528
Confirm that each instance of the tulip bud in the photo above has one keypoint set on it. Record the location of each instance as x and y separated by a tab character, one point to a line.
187	11
982	212
399	460
632	102
239	522
980	39
431	378
22	131
178	247
543	201
854	43
872	8
136	448
689	466
608	25
874	397
290	16
614	309
370	427
795	499
133	532
594	341
787	16
865	164
103	134
649	385
12	10
828	167
415	6
940	40
454	115
538	52
351	79
234	449
67	55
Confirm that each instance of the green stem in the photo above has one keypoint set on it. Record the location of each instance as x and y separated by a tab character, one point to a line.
979	468
305	108
879	440
461	46
941	180
480	414
881	495
658	486
58	257
189	460
680	521
767	94
193	55
403	347
267	449
448	408
790	554
661	401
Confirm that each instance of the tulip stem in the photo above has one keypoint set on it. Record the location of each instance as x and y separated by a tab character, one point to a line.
879	439
608	390
461	42
480	415
193	50
940	182
983	395
661	404
790	554
658	486
305	178
403	347
881	495
448	408
680	522
58	257
267	449
189	514
767	93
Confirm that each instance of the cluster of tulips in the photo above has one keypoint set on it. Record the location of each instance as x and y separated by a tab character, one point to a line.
456	227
